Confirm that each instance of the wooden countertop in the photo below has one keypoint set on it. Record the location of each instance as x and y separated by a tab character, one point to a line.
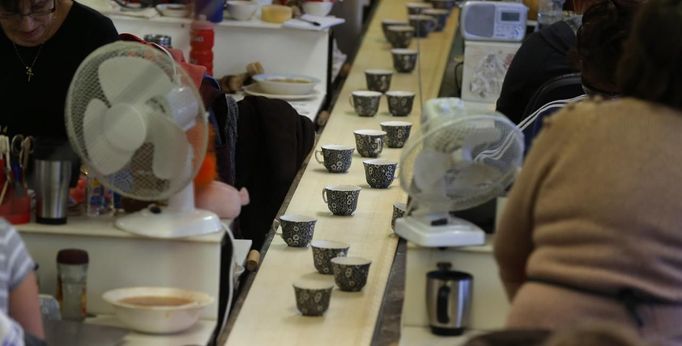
269	315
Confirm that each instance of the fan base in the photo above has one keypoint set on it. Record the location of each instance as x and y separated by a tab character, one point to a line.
456	232
168	224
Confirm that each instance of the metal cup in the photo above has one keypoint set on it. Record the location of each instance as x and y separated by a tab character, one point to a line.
52	191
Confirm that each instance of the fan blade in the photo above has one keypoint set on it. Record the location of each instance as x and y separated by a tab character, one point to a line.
172	151
104	157
132	80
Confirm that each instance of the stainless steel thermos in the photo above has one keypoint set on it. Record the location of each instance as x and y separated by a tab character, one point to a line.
448	299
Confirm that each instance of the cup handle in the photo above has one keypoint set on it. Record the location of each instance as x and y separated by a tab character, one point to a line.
397	171
324	195
317	158
442	304
350	100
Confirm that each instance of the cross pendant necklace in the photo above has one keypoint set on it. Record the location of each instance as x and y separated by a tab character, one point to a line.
29	68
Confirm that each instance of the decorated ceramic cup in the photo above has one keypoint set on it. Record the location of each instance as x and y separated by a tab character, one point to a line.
398	212
404	60
336	158
399	36
365	102
378	80
417	7
397	133
350	273
369	143
380	173
312	296
324	251
400	102
341	199
297	230
422	24
389	22
440	15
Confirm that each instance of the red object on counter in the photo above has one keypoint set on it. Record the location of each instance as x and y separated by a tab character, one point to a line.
202	38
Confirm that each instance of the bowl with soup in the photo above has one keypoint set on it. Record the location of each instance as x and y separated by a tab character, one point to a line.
286	84
157	310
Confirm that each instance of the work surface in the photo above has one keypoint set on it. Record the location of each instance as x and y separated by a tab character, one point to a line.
269	315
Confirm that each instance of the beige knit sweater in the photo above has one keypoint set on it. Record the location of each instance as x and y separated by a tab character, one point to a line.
598	204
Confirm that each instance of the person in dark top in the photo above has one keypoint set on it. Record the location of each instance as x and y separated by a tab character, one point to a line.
42	43
542	56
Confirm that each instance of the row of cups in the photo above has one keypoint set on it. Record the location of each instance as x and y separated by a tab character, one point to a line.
330	257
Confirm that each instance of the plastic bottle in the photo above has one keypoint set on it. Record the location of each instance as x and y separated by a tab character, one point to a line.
99	198
211	10
72	270
202	38
549	12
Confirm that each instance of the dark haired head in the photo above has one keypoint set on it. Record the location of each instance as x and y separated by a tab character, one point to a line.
651	68
599	41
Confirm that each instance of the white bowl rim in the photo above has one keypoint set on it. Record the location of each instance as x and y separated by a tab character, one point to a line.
366	93
310	284
395	123
400	93
378	71
403	51
379	162
351	260
292	217
370	132
343	187
337	147
267	77
329	244
400	28
200	299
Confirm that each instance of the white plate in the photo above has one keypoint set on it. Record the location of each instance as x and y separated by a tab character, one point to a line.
173	10
255	90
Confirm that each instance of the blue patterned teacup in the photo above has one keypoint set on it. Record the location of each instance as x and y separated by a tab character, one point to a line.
336	158
341	199
400	102
380	173
313	296
324	251
350	273
397	133
369	143
297	230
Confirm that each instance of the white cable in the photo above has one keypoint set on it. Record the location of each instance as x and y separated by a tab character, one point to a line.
554	104
230	277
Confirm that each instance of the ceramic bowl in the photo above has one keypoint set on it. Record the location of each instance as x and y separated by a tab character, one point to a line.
173	10
157	310
350	273
312	297
324	251
286	84
241	10
317	8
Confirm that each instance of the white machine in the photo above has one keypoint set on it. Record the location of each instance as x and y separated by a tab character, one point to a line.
138	122
493	21
464	157
493	32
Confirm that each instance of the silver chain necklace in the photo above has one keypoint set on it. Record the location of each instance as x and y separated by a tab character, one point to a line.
29	68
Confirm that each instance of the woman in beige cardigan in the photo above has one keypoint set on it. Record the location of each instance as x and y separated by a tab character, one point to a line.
593	224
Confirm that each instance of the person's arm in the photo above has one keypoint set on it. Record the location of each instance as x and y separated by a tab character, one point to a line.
24	306
514	234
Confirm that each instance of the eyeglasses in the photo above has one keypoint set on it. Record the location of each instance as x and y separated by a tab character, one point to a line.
40	9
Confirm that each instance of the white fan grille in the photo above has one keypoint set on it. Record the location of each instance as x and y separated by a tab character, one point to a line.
461	163
136	179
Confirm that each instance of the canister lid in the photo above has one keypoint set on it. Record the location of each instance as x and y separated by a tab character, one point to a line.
72	256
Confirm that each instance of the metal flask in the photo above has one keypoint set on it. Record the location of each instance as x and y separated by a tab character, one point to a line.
448	299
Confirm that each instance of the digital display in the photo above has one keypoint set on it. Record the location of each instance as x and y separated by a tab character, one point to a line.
510	16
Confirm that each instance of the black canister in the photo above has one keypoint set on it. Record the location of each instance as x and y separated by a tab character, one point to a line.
448	300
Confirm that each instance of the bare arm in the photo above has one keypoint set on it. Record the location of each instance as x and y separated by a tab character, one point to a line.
24	306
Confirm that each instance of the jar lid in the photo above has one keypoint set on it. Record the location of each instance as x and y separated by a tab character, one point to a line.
72	256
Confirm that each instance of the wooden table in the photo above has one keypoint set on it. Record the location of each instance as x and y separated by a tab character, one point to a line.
269	315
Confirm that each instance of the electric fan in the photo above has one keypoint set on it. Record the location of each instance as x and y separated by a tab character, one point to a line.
139	123
462	159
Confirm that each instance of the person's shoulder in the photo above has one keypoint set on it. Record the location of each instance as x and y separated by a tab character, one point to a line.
7	233
94	19
575	114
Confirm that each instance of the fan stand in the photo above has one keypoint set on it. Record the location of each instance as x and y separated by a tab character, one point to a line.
178	220
456	232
